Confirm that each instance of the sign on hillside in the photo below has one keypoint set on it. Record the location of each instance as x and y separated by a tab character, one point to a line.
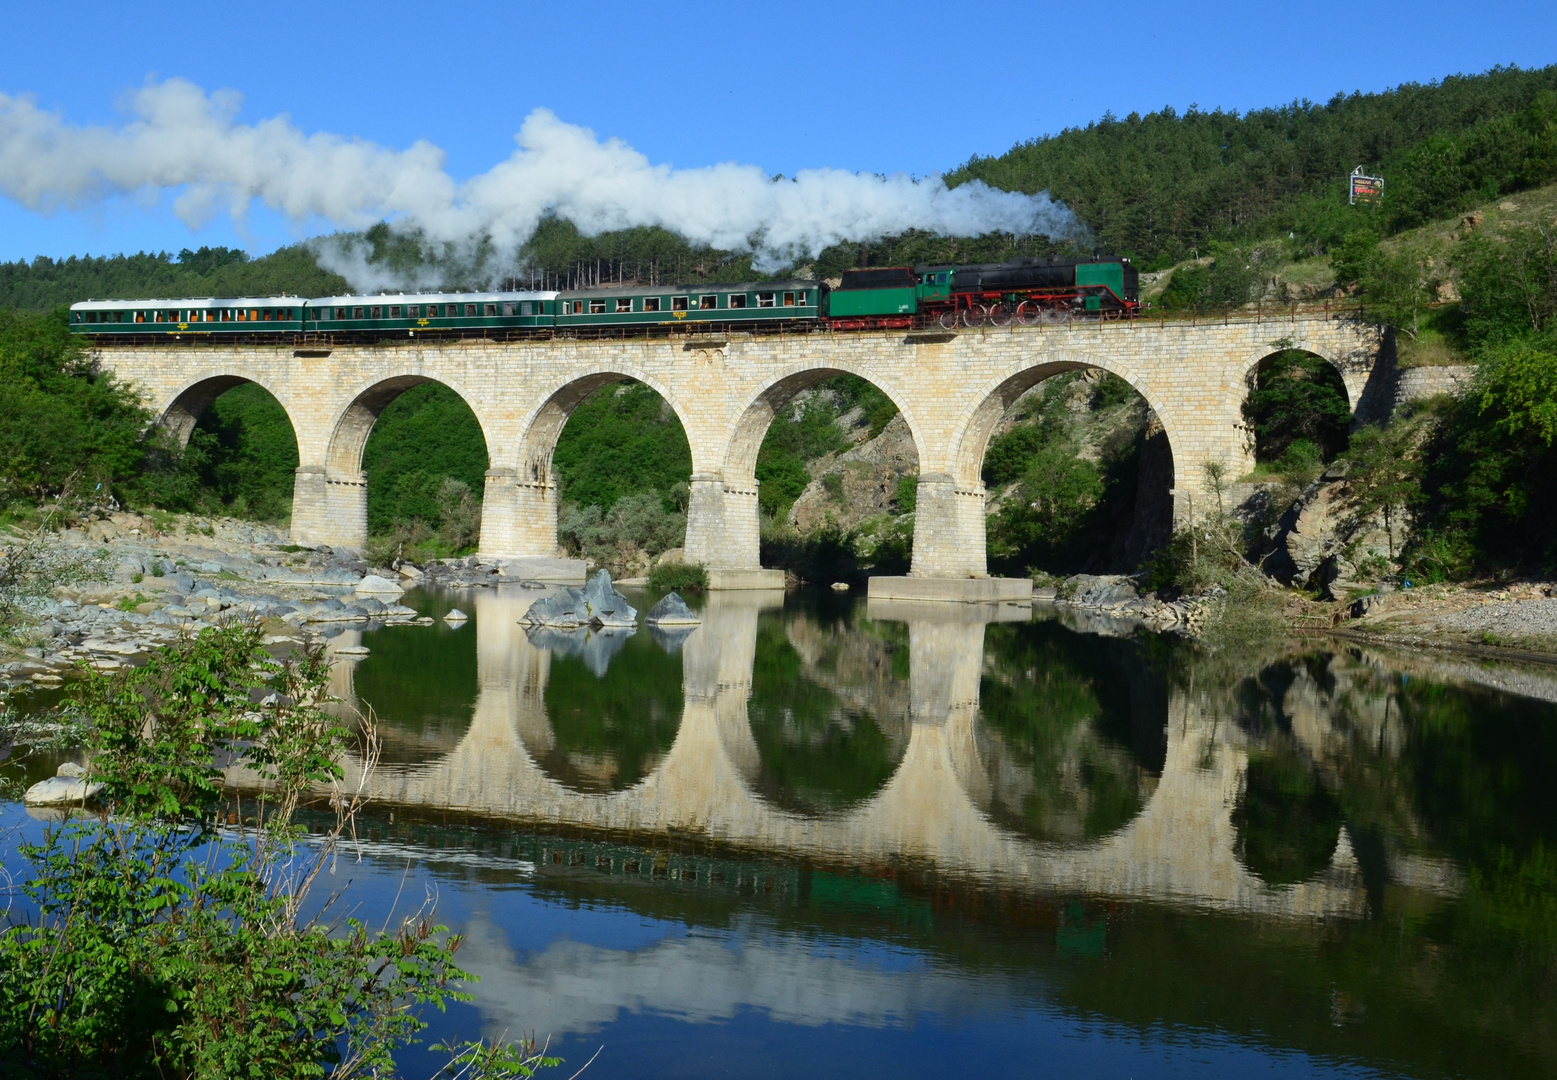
1365	189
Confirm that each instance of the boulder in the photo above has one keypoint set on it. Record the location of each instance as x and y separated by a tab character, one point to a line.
455	615
672	611
605	606
67	785
565	609
373	585
409	572
1100	590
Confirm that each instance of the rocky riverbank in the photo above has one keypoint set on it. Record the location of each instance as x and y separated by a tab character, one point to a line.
169	576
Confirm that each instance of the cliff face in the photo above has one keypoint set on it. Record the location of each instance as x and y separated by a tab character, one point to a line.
860	483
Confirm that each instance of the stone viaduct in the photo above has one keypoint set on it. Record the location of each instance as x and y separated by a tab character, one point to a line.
952	389
935	809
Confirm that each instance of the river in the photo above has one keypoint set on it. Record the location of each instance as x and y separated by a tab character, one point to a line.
820	835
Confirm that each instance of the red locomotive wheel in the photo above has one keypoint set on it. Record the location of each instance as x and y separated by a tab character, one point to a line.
948	320
972	317
1029	313
1000	315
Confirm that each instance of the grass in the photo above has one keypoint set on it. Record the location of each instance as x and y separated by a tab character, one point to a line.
678	577
130	603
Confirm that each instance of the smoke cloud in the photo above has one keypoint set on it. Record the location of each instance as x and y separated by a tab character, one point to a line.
184	142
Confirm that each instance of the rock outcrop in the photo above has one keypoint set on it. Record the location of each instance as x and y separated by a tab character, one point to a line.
672	611
596	604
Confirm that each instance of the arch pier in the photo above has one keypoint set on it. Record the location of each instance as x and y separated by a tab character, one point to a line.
952	390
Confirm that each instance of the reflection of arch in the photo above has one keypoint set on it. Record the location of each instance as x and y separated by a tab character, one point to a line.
740	462
350	433
979	423
828	716
190	403
543	427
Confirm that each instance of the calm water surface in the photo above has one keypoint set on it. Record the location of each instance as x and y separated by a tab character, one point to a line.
816	835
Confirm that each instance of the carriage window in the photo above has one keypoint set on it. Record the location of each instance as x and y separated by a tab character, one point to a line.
470	311
394	311
800	298
509	309
765	299
91	316
378	313
526	308
357	313
708	303
789	299
491	310
678	303
597	307
624	305
651	303
737	300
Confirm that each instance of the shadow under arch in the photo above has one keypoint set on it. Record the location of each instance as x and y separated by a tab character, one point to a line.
829	710
1071	735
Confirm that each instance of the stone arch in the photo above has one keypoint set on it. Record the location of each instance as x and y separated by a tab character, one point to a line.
519	517
756	416
725	532
976	426
330	503
978	423
1354	385
349	434
182	413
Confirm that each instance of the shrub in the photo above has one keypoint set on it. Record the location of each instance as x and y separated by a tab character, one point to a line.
678	577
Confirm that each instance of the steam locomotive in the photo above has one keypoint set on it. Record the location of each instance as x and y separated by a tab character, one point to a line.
1025	291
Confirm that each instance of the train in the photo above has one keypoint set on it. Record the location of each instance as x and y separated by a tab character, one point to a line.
1023	291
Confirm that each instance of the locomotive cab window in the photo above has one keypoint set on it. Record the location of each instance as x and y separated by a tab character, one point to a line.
708	303
625	304
736	300
651	303
678	303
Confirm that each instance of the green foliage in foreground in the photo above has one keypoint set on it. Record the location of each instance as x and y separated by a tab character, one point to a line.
167	946
1297	396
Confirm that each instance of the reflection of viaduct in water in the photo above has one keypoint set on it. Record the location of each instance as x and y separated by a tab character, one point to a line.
1182	846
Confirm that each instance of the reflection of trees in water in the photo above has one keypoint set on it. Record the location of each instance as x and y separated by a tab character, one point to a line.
1072	731
612	730
828	715
1288	822
420	683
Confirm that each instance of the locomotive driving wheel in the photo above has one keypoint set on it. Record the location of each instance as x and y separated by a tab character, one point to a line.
948	320
972	316
1000	314
1029	313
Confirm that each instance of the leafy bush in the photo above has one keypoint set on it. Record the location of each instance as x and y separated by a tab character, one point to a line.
678	577
163	946
635	523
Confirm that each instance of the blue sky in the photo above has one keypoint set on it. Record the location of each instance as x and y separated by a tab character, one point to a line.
901	87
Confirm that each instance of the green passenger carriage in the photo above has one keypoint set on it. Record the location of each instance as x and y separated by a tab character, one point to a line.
181	318
669	305
413	313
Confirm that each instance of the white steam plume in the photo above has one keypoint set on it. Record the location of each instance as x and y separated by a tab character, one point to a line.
181	140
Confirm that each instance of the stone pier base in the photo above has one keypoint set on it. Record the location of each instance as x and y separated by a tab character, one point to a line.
744	578
983	590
